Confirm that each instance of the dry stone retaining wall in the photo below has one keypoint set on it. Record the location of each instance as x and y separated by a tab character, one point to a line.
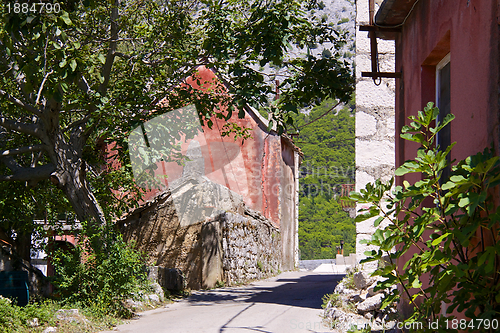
233	245
251	247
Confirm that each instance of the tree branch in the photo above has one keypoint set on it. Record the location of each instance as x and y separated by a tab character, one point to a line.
41	87
11	163
30	174
18	102
30	129
36	159
22	150
83	85
110	58
79	122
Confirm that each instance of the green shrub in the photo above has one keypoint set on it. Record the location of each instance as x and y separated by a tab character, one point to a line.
449	229
355	329
348	280
331	300
260	266
100	273
14	318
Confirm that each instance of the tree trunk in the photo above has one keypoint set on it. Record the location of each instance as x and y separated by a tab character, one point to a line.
23	245
75	187
70	176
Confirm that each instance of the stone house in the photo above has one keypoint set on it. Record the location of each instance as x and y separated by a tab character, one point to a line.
229	212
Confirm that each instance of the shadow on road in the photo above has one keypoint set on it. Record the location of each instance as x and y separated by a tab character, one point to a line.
304	291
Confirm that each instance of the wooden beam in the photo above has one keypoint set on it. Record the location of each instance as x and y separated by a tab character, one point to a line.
378	29
381	74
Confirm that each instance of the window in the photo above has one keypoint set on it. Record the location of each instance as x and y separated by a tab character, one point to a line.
443	138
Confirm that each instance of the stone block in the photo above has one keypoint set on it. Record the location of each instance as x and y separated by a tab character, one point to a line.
211	239
371	291
352	258
370	96
363	43
373	153
153	274
370	304
363	64
361	280
366	125
363	178
158	291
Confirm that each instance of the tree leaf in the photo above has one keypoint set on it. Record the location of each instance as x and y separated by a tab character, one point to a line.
440	239
65	17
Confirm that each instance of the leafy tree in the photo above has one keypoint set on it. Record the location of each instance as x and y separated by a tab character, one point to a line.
322	225
17	225
326	137
97	69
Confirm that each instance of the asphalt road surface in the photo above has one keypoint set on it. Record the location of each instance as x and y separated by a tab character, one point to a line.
288	303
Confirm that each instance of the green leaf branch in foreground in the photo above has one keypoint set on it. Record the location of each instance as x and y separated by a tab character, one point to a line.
445	231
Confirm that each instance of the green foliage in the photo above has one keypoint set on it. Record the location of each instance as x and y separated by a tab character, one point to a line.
326	137
14	318
94	71
322	225
355	329
260	266
348	279
331	300
100	273
327	140
443	229
220	284
21	205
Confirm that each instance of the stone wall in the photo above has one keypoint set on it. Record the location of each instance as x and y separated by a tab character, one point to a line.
230	243
156	231
250	246
375	118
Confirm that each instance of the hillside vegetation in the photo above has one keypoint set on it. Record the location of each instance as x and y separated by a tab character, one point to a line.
327	141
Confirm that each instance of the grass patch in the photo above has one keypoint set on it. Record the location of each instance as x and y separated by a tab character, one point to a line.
348	280
36	317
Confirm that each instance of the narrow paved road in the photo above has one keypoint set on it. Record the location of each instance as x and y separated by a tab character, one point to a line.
288	303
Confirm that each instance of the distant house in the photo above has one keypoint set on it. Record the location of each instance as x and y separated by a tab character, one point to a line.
447	52
229	212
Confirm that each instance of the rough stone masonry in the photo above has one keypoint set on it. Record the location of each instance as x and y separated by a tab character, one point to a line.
229	244
375	119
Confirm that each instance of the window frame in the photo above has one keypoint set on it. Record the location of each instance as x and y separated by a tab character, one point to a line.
445	61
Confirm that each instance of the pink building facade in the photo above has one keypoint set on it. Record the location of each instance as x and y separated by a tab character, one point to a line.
262	169
461	37
447	52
